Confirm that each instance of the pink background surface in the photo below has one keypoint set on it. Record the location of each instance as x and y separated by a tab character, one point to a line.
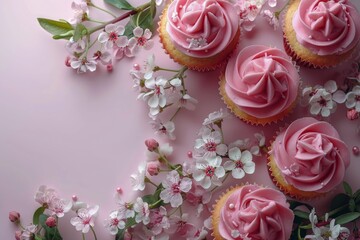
84	134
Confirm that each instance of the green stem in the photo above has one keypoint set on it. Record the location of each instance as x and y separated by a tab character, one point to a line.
95	21
299	234
177	110
83	236
157	68
337	210
121	17
155	203
102	9
147	180
93	231
176	209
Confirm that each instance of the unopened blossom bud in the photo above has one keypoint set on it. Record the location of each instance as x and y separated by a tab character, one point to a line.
352	114
67	61
51	222
109	67
153	168
18	235
151	144
14	216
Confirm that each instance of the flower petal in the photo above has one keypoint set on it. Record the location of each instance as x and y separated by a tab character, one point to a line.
238	173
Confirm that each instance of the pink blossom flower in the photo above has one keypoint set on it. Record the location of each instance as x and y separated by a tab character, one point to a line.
112	36
180	225
216	117
83	65
165	150
271	18
45	195
173	187
199	197
155	95
114	223
85	219
241	163
167	128
158	220
151	144
141	39
121	52
352	114
125	209
187	102
142	210
353	99
59	207
75	47
81	11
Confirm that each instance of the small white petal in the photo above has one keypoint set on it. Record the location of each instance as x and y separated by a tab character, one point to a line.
220	172
238	173
249	167
235	154
138	32
153	101
229	165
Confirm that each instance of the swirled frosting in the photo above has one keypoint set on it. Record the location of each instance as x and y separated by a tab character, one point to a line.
310	155
327	27
201	28
261	81
257	213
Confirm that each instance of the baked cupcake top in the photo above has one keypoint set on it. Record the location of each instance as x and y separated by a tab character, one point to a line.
310	155
327	27
201	28
253	212
262	81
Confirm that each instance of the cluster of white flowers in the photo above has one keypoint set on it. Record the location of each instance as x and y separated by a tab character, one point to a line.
160	93
326	231
249	10
323	100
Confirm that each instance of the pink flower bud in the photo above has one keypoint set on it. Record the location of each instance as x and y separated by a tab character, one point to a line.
151	144
18	235
14	216
67	61
109	67
352	114
50	222
153	168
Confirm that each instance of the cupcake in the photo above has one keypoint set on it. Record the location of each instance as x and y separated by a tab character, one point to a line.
308	159
321	33
252	212
260	84
199	34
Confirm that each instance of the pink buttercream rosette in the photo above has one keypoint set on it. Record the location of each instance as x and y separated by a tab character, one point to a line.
310	157
261	82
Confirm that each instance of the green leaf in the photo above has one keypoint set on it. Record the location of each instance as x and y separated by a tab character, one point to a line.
55	27
80	31
301	214
38	237
339	201
67	35
347	217
352	205
120	234
37	213
347	189
294	204
122	4
356	196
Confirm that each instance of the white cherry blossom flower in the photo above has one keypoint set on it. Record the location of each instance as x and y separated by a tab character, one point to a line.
167	128
215	117
125	209
156	95
353	99
187	102
209	145
75	47
28	232
138	179
260	142
181	225
142	209
81	11
103	56
83	65
114	223
241	163
113	36
85	219
59	207
321	103
121	52
45	195
173	187
141	39
209	171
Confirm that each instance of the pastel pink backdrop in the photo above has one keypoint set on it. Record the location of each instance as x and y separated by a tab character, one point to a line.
84	134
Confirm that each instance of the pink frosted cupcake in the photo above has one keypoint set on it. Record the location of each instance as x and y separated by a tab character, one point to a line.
321	33
252	212
260	84
308	159
199	34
